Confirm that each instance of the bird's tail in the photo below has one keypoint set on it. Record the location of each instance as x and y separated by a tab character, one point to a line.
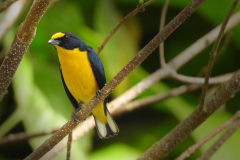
106	130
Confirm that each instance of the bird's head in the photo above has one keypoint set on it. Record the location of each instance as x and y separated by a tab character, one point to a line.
66	40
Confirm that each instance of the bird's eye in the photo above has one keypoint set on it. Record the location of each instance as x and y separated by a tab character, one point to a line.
66	37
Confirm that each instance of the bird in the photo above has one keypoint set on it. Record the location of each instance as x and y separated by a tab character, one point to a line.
83	77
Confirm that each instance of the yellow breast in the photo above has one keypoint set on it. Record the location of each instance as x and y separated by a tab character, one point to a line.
77	73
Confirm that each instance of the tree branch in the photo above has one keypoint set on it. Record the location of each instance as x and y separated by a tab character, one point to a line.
69	145
22	40
162	24
213	54
6	4
155	98
199	80
193	148
69	142
233	127
12	138
10	16
221	50
79	131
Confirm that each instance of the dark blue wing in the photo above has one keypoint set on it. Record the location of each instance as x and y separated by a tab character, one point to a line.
97	67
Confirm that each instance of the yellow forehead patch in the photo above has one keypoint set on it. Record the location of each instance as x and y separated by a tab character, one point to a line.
58	35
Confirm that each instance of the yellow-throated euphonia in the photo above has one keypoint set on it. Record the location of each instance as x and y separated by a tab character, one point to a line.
83	76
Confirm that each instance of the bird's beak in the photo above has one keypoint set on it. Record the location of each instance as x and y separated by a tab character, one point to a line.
54	42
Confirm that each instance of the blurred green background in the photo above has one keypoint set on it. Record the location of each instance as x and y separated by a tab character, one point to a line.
37	101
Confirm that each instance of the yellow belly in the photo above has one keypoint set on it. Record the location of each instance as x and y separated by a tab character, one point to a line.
79	78
78	74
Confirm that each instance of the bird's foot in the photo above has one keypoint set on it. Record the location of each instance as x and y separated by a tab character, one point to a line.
74	114
98	94
74	117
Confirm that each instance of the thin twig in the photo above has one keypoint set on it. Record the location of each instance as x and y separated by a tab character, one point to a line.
225	43
213	55
193	148
79	131
6	4
162	24
233	127
202	43
13	138
139	8
221	50
69	142
199	80
69	145
146	101
173	92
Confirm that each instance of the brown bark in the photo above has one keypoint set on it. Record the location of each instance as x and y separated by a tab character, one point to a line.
23	38
163	147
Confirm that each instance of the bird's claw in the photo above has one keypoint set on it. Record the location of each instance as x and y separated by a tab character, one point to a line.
74	117
98	93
